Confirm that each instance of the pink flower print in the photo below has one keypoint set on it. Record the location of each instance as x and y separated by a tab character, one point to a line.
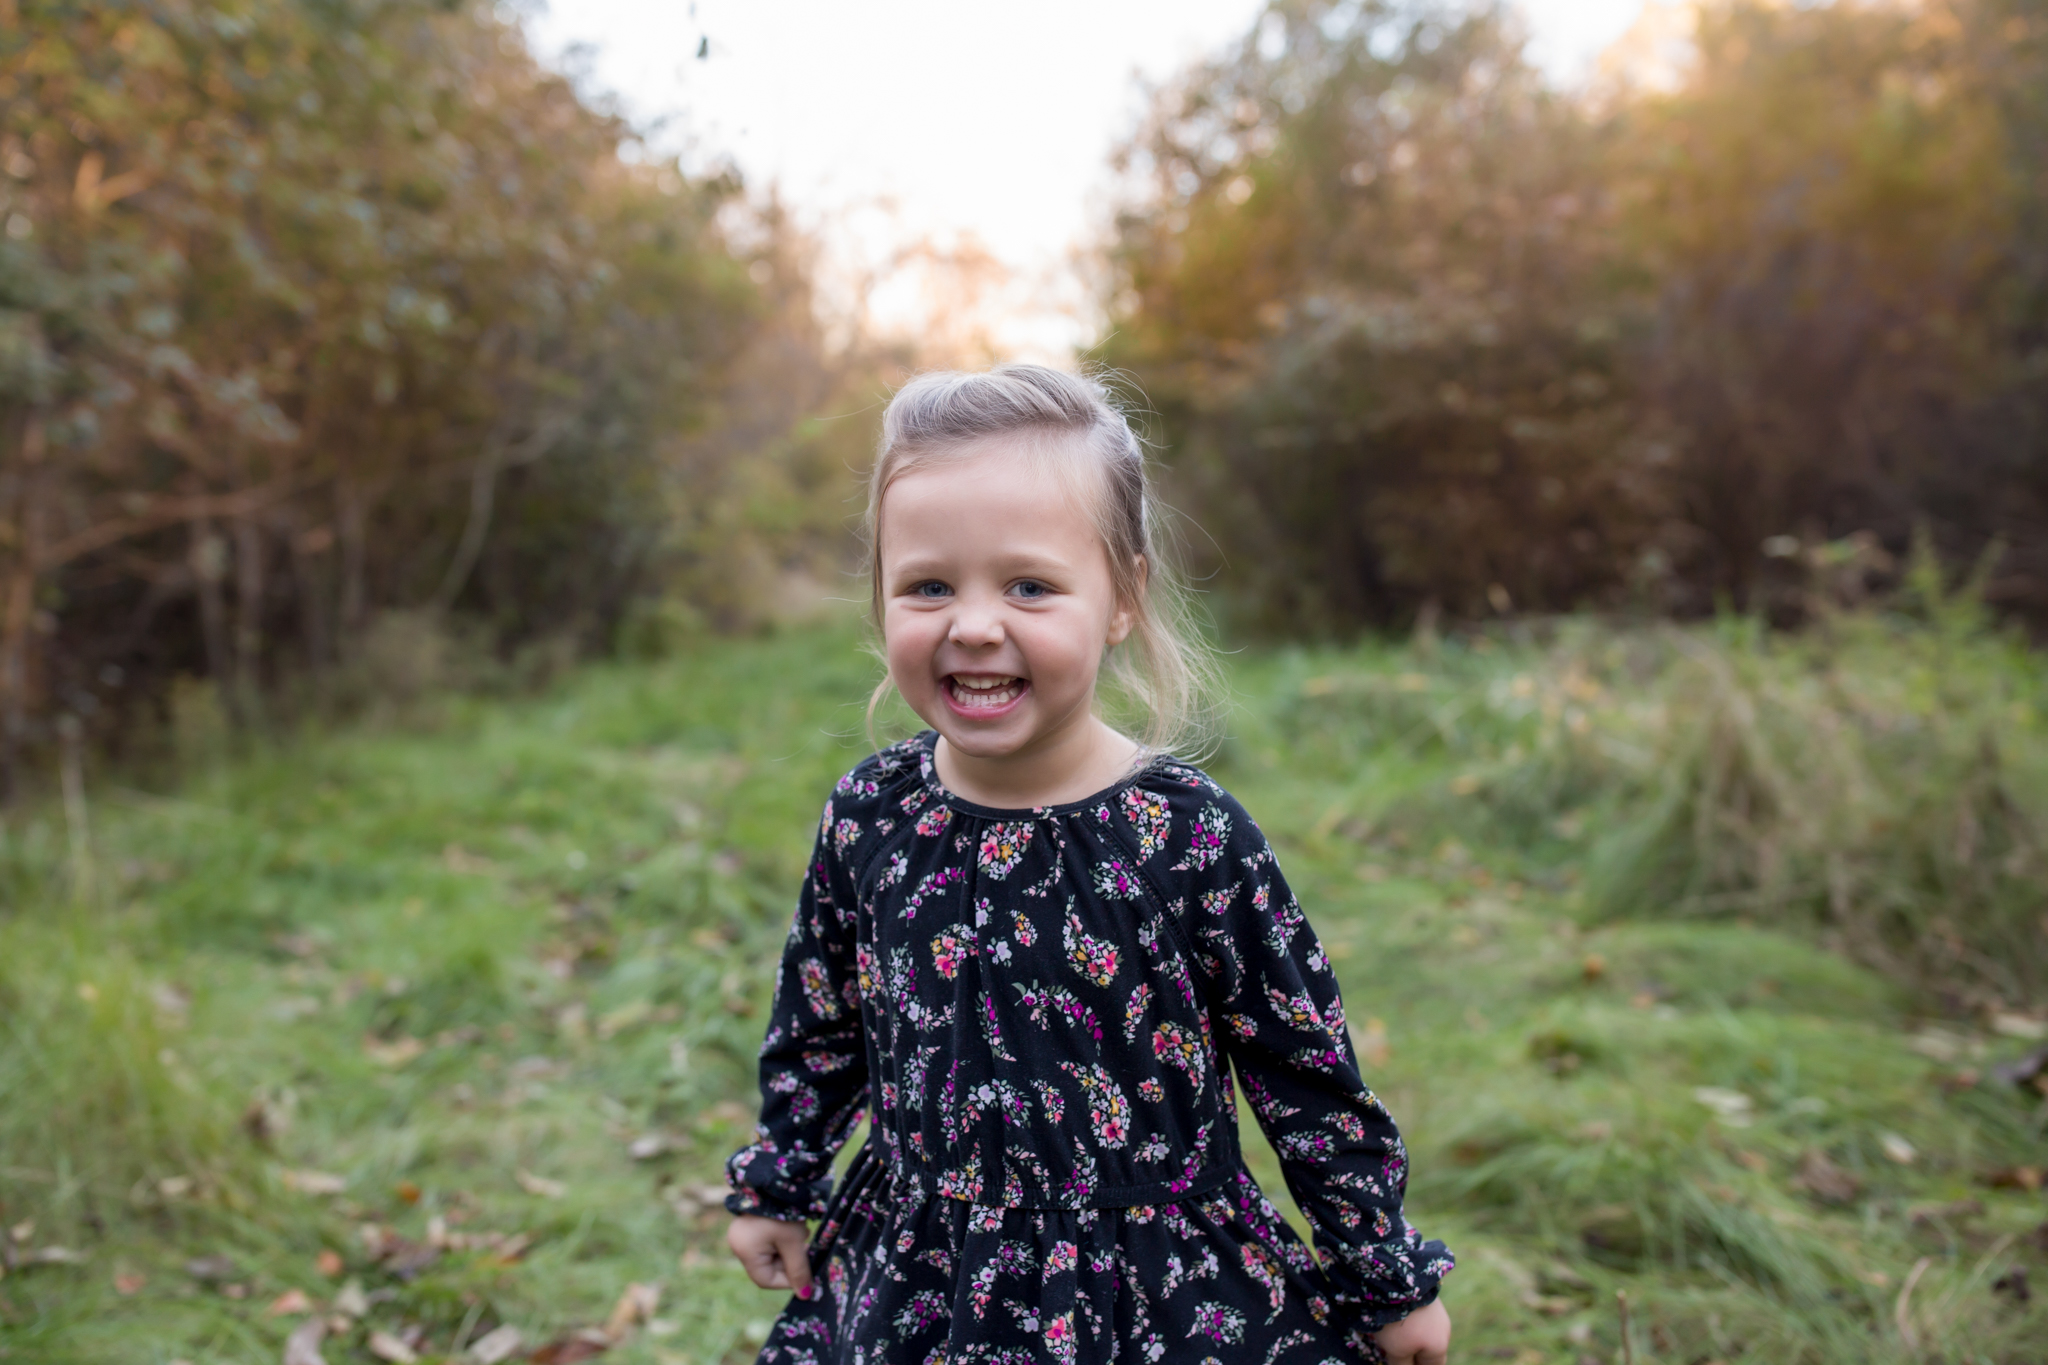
921	1312
1045	1001
1055	1103
845	835
933	822
947	950
817	989
985	1218
1260	1265
1154	1148
1151	1089
1060	1342
1240	1026
1217	901
1177	1047
1113	878
1206	840
1109	1113
1298	1010
933	883
1220	1323
867	971
1060	1259
1027	934
1150	819
1091	957
962	1183
1002	848
1134	1013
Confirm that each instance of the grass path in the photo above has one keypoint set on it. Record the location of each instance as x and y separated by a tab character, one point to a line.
429	1035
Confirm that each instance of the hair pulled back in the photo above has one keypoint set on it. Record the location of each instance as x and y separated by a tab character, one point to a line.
1164	672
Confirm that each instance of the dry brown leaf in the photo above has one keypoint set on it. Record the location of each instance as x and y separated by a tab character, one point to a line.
317	1183
567	1350
328	1263
385	1346
291	1301
352	1300
128	1285
540	1185
394	1053
302	1347
499	1344
634	1307
1826	1181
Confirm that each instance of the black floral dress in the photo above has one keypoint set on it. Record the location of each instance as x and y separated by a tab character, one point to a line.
1033	1008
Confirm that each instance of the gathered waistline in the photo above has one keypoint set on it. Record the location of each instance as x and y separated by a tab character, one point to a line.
1143	1195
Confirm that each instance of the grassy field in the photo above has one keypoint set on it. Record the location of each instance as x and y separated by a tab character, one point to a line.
1687	961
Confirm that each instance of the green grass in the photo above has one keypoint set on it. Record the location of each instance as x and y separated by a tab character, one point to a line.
465	968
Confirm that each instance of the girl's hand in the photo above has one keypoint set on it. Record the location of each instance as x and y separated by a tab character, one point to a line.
773	1252
1421	1338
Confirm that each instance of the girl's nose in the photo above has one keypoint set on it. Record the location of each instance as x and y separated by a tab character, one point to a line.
975	628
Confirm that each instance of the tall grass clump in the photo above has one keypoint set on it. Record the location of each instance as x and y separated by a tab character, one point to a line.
107	1116
1879	779
1883	778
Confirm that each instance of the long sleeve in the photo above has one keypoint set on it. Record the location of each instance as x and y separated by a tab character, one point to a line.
814	1064
1282	1023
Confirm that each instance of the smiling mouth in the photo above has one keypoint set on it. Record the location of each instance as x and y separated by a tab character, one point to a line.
984	691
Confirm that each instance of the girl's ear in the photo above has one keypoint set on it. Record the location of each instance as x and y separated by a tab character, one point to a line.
1126	614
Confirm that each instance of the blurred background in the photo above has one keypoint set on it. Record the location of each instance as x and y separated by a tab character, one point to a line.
1612	436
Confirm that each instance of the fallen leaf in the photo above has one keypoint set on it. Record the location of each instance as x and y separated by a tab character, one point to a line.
1826	1181
540	1185
384	1346
2028	1178
55	1255
1593	968
328	1263
1732	1107
635	1306
22	1231
566	1350
1896	1149
128	1285
649	1147
494	1346
314	1182
2024	1026
174	1186
352	1300
302	1347
210	1268
291	1301
408	1192
395	1053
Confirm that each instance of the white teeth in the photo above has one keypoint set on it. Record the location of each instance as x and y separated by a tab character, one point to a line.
985	693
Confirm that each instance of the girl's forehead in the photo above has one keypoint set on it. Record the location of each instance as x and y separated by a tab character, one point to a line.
1049	473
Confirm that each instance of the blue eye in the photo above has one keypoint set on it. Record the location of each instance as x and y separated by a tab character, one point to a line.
1030	590
931	590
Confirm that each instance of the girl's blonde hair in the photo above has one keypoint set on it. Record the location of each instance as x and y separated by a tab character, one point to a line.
1165	670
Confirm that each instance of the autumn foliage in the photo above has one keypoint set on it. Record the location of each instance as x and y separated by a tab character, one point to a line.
1422	329
313	310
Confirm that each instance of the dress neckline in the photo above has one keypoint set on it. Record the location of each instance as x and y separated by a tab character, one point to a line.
928	770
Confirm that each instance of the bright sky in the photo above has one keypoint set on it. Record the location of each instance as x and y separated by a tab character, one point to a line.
888	120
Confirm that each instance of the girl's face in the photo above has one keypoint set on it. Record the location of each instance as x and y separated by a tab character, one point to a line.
997	603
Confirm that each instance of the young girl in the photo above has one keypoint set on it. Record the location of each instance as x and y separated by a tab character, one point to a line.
1029	952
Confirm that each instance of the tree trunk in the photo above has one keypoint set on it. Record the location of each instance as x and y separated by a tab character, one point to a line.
351	513
249	613
17	614
209	558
